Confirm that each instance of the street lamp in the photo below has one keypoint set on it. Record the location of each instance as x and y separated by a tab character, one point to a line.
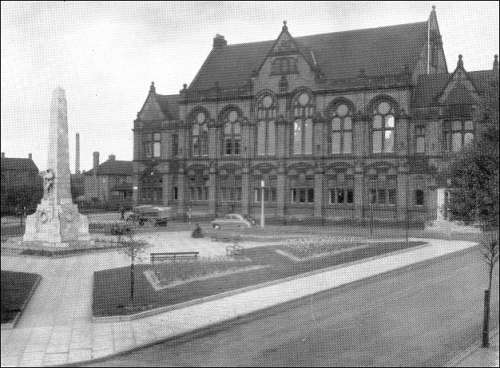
262	221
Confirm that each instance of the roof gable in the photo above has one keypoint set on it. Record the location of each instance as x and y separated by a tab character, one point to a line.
379	51
151	109
460	87
430	87
159	107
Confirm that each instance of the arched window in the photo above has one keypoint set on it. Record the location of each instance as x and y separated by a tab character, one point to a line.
232	133
266	129
341	129
383	127
199	135
303	111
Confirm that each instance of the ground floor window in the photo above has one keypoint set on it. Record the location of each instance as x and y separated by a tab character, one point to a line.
151	194
198	193
302	195
231	194
383	196
382	190
419	197
341	196
269	194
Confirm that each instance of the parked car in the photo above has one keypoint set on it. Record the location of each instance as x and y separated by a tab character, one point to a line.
153	214
231	221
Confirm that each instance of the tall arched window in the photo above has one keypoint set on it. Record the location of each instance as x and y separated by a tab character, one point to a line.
232	133
303	111
341	129
199	135
383	127
266	130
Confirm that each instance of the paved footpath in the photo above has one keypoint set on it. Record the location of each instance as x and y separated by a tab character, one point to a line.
57	328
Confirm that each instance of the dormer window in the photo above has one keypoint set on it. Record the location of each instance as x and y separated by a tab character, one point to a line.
284	65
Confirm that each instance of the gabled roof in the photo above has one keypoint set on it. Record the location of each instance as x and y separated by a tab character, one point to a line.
169	105
379	51
430	86
113	167
18	164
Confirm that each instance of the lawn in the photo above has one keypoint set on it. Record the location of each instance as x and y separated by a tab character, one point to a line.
106	303
16	289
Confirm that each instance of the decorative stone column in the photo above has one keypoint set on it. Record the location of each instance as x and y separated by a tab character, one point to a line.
247	138
318	191
213	147
245	189
402	146
361	143
212	189
166	179
281	137
281	190
359	191
403	183
181	200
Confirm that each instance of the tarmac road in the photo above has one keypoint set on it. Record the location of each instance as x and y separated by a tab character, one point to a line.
418	316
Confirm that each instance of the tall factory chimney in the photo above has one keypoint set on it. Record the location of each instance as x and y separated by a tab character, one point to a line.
77	154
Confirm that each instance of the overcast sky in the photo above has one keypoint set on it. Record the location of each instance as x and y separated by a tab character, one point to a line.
105	55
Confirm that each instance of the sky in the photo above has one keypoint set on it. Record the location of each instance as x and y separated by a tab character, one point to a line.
106	54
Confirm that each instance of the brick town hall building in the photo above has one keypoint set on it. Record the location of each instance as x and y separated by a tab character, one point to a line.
339	125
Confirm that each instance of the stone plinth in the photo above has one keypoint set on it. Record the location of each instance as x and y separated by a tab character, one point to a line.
56	224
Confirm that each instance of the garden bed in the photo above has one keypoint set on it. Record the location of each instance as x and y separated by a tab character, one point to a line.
64	252
304	248
146	297
16	290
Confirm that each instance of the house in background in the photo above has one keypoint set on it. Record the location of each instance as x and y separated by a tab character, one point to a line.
21	184
110	181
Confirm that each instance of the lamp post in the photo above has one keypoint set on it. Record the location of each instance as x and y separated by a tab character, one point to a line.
262	221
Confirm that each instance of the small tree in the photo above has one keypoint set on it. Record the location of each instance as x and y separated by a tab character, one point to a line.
474	177
132	248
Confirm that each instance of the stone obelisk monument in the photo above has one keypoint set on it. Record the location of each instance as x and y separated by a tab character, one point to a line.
56	222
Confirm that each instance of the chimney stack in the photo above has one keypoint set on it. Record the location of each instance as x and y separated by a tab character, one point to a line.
111	157
3	154
77	154
96	160
495	63
30	156
219	41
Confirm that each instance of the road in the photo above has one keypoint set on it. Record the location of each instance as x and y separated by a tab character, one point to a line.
419	316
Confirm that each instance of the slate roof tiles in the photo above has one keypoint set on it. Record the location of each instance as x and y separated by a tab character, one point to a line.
379	51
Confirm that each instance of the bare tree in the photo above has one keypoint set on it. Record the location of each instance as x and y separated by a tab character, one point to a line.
132	248
489	250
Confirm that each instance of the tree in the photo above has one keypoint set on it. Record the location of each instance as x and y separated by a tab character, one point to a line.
474	190
132	248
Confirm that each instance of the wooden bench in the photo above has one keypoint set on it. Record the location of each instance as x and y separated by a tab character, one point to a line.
162	257
234	250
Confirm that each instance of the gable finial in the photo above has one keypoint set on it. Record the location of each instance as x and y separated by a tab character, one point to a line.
285	28
152	88
495	63
460	63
